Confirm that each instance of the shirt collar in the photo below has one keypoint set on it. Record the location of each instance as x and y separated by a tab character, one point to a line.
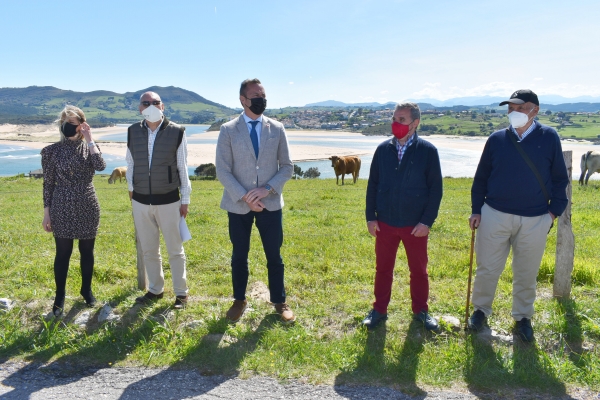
408	142
248	119
162	121
527	132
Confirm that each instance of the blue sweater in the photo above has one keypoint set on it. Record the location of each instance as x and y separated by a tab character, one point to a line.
505	182
406	193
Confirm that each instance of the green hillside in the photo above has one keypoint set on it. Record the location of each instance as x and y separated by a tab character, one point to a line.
41	104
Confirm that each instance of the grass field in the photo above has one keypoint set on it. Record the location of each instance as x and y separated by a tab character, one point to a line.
329	259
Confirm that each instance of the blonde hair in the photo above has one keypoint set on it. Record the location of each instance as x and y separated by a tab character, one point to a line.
69	112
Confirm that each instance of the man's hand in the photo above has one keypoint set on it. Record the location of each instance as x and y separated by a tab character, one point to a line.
257	207
420	230
373	227
255	195
474	221
130	195
552	215
183	210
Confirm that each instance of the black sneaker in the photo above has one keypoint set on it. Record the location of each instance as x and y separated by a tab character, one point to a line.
373	319
477	321
525	330
428	321
148	298
180	302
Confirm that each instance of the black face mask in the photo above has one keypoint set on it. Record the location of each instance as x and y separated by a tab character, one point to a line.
69	130
258	105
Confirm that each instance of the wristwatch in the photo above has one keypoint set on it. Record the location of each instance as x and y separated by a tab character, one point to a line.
270	189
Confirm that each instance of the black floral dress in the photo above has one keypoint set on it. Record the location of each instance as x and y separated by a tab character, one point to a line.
69	168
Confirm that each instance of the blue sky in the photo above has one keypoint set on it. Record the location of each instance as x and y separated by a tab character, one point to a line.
305	51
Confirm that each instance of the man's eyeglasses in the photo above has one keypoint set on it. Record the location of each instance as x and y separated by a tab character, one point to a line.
147	103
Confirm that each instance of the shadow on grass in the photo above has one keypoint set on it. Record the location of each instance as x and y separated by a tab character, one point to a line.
374	369
489	370
213	353
113	345
572	331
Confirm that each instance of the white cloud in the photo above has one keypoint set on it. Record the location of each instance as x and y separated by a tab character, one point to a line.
569	90
538	79
291	83
384	91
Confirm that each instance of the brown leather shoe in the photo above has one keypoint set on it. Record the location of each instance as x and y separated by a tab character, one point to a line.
148	298
180	302
287	315
237	310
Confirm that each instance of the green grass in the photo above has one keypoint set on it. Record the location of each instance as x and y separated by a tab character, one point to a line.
329	260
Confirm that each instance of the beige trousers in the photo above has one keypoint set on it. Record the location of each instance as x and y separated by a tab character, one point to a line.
498	232
148	221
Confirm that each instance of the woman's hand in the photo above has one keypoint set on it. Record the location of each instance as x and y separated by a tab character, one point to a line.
86	131
46	224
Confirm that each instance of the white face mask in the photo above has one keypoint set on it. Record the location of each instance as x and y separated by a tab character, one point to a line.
518	119
152	114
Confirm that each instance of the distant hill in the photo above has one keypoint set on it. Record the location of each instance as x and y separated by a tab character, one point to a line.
495	100
467	103
39	104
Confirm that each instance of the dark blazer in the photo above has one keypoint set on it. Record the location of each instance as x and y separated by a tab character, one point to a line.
406	193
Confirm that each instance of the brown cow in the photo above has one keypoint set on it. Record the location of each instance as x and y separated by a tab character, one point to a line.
119	172
345	165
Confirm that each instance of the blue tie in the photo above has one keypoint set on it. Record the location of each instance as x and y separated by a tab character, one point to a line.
254	137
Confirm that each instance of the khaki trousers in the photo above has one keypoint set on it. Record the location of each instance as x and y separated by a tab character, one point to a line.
498	232
149	219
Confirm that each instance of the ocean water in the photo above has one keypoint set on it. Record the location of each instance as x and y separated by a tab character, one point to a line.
22	160
122	136
454	162
18	159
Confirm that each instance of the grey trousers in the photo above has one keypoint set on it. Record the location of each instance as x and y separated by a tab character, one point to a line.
149	222
498	232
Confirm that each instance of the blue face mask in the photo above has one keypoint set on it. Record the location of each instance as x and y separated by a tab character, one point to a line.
69	130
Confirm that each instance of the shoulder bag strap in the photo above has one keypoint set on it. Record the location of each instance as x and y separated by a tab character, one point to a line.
513	139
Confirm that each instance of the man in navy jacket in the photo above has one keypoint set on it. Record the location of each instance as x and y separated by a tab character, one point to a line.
403	198
512	209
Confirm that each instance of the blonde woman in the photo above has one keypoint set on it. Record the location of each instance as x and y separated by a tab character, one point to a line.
71	209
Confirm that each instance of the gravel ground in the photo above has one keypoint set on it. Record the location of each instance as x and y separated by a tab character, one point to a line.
65	381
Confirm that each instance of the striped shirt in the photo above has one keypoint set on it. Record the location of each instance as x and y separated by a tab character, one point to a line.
527	132
186	188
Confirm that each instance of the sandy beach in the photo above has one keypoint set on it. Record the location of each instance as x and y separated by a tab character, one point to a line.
39	136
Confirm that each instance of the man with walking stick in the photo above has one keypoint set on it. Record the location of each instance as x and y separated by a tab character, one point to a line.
517	192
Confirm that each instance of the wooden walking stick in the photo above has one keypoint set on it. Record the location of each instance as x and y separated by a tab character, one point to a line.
470	275
142	277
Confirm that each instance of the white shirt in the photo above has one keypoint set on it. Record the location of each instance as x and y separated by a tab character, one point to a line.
186	187
258	126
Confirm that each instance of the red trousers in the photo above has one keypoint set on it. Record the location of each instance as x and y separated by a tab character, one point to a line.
386	247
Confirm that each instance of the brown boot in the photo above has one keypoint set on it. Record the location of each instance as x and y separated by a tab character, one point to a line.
237	310
287	315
